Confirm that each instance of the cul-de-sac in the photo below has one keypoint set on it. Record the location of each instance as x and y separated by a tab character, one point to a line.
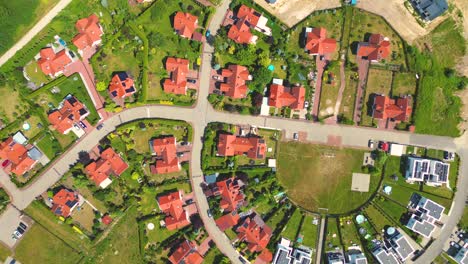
233	131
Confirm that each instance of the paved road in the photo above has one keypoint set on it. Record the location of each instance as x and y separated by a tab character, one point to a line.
45	20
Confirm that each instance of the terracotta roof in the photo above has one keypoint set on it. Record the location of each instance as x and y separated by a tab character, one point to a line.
172	205
231	194
178	68
71	112
121	85
249	14
377	48
227	221
236	76
107	220
255	232
230	145
63	202
186	253
108	163
185	24
317	43
265	257
17	154
52	63
281	96
90	32
166	155
385	107
247	18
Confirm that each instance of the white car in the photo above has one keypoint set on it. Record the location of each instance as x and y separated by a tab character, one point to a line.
306	104
371	144
17	234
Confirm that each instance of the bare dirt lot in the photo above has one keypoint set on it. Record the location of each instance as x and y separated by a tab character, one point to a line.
292	12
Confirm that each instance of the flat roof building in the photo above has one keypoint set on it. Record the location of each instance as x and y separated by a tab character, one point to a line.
395	248
430	9
432	172
425	213
286	254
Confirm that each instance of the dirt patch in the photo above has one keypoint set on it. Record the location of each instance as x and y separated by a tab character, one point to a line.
292	12
464	111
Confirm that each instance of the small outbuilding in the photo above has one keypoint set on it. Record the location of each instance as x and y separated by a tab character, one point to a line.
397	150
360	182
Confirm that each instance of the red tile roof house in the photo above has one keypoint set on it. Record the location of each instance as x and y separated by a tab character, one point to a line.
69	112
281	96
227	221
255	232
178	68
232	197
172	205
376	49
64	202
108	163
90	32
234	83
166	155
317	42
121	86
186	253
231	145
14	157
53	64
185	24
248	18
386	108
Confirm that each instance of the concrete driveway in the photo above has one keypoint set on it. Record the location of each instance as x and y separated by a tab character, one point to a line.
9	221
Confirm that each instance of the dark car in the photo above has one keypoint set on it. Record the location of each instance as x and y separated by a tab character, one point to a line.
23	225
191	80
20	230
82	124
100	126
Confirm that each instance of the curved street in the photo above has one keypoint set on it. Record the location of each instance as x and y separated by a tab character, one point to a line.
203	113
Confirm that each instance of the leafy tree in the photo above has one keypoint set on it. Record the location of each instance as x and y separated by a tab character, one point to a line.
261	77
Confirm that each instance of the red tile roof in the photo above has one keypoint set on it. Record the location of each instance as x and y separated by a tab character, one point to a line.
52	63
121	86
231	194
63	202
90	32
107	220
247	18
227	221
249	14
17	154
172	205
236	76
317	43
178	68
71	112
109	163
166	154
265	257
377	48
281	96
186	253
185	24
255	232
230	145
385	107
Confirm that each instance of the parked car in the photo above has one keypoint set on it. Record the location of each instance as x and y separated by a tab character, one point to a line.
191	80
449	155
209	213
17	234
371	144
384	146
82	124
306	104
296	136
20	230
23	225
100	126
216	77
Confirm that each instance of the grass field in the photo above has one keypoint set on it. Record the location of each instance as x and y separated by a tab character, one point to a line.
11	106
378	82
40	246
292	227
214	256
158	234
85	217
349	234
35	74
349	95
392	209
49	145
330	87
4	252
331	165
464	220
309	232
332	235
377	218
404	84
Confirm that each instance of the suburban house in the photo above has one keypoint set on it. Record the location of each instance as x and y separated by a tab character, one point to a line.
317	42
335	257
64	202
285	253
53	64
16	157
354	255
234	81
228	221
432	172
245	19
121	86
109	163
458	250
425	214
231	145
178	69
254	232
186	253
395	248
172	205
232	197
376	49
430	9
166	155
90	32
281	96
395	109
69	112
185	25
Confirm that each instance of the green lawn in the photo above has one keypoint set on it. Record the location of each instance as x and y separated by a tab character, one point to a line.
11	106
404	84
378	82
377	218
464	220
292	227
332	236
332	165
392	209
5	252
214	256
49	145
158	234
231	234
4	200
40	246
309	232
276	218
330	87
349	234
35	74
349	95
